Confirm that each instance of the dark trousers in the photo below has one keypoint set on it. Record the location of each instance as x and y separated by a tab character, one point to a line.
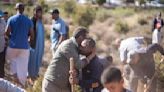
2	64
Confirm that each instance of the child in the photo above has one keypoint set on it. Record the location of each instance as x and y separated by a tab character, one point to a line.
112	80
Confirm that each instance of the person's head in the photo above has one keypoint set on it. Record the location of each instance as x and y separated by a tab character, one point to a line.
55	14
80	34
118	42
6	16
38	12
159	15
20	8
87	46
112	79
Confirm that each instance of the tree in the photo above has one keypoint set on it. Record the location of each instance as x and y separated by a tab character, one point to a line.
100	2
161	1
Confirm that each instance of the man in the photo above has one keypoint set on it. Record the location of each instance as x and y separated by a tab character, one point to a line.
58	31
158	20
2	45
113	81
18	29
124	47
56	78
6	86
6	16
128	44
92	72
37	46
142	65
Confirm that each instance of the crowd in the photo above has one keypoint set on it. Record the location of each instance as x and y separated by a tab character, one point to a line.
22	47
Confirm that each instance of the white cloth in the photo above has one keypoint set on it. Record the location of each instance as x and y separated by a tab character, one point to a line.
156	36
6	86
18	59
2	34
133	54
130	44
106	90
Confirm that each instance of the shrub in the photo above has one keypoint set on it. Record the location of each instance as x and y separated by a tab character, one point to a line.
69	7
121	27
84	16
142	21
44	5
102	15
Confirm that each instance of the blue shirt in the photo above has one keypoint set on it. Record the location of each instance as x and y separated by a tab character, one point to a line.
20	27
58	29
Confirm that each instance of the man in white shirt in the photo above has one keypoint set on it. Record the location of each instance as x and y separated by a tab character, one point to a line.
125	46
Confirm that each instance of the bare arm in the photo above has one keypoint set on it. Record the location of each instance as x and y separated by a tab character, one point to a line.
8	31
31	35
62	38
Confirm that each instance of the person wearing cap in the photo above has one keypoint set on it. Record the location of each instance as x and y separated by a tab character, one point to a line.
158	20
6	16
58	30
18	30
124	47
2	45
142	65
37	46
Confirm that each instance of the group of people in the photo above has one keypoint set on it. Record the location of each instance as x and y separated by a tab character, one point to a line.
22	42
22	46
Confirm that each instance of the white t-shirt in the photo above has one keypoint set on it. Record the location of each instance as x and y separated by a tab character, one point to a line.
106	90
156	36
130	44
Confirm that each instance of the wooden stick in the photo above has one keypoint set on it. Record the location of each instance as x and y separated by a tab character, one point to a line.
72	66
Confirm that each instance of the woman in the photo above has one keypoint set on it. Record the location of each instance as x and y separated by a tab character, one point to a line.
37	46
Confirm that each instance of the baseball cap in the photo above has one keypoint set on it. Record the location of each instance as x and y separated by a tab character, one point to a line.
56	11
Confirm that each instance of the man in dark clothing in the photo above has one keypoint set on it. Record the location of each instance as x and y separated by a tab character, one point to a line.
2	44
92	72
157	20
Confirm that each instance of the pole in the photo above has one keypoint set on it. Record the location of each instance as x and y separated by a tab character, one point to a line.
72	66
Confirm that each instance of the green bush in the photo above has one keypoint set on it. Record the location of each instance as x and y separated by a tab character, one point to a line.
69	7
102	15
121	27
84	16
142	21
161	1
44	5
100	2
